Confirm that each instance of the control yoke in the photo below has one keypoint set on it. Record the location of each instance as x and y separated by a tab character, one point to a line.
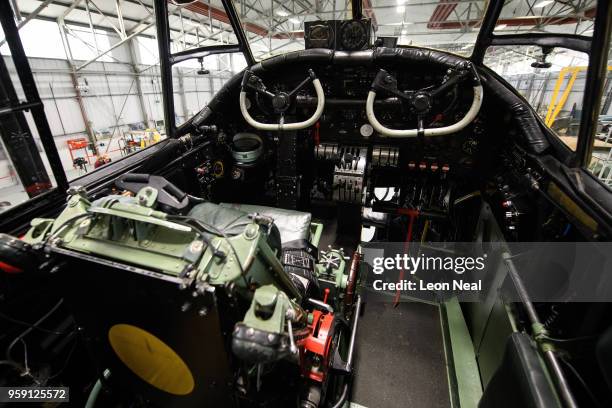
281	102
421	102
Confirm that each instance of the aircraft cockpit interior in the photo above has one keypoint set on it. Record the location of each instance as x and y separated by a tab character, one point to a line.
258	255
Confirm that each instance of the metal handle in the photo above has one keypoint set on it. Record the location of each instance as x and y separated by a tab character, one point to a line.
286	126
405	133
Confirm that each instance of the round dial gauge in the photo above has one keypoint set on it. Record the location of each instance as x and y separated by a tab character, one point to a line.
353	35
320	36
366	130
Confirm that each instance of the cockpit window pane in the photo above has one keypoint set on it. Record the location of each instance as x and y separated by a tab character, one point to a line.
547	16
275	28
193	29
553	84
600	163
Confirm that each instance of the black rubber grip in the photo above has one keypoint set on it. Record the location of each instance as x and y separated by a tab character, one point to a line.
135	178
175	191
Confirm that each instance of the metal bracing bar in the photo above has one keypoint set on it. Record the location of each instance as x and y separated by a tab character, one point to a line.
74	5
357	9
183	36
16	9
549	356
30	17
118	44
79	97
596	75
65	43
165	66
238	31
86	43
31	92
104	16
143	110
181	83
485	35
118	4
202	52
91	27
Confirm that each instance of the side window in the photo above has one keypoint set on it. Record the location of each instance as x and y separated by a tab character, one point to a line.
195	81
552	81
100	86
25	171
601	154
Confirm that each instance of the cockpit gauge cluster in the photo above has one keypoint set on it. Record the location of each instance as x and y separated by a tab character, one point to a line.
349	35
319	34
354	34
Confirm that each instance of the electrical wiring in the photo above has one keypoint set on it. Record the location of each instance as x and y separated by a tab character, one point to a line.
24	323
214	231
29	329
581	381
68	357
571	339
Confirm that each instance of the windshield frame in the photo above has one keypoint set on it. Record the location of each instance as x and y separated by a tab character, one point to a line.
167	59
596	47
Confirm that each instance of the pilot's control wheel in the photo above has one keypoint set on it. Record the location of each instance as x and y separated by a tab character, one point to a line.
280	101
421	102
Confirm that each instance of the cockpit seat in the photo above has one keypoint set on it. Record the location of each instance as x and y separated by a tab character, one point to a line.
290	236
293	225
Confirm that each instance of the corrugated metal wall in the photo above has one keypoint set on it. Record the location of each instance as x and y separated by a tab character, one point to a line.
110	98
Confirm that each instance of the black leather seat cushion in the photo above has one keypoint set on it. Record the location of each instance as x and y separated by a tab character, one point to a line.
230	221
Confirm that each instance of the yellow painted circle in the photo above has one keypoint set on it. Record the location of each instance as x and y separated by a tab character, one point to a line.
151	359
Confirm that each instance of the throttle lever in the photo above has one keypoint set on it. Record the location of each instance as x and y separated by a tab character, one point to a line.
385	82
252	81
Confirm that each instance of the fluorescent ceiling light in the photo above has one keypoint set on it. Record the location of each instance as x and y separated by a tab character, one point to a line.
501	26
400	9
400	2
543	3
282	13
294	20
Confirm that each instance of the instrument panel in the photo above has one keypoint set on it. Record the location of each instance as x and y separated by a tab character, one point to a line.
342	158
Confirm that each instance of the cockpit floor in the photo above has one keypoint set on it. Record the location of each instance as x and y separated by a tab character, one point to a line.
400	360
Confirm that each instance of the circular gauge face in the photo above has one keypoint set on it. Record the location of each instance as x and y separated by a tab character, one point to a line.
353	35
366	130
321	36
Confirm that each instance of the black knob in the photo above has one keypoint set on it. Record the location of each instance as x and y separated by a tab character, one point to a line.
421	102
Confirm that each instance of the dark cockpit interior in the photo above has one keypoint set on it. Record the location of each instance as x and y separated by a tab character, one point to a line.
227	266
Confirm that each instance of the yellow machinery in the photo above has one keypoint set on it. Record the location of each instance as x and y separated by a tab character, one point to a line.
556	103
